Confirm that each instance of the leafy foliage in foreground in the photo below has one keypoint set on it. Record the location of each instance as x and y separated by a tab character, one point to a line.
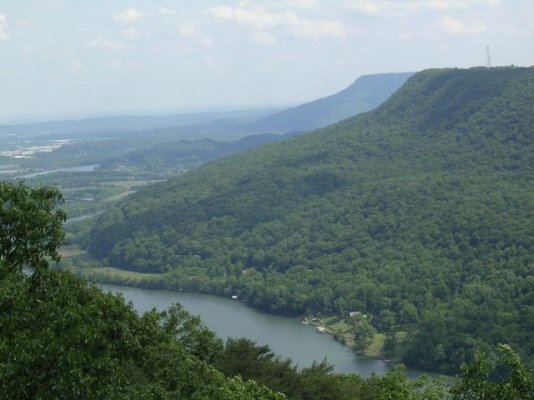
418	213
30	225
60	338
501	377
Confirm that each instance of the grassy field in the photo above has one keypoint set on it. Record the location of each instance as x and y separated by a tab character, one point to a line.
342	332
74	260
111	275
375	350
119	273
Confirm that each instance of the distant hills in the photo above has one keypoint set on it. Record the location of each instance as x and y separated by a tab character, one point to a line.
121	124
366	93
418	214
185	154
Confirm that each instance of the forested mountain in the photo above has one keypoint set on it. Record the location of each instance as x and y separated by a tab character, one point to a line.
418	213
186	153
366	93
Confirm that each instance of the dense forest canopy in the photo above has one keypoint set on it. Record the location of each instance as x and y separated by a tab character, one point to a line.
418	213
60	338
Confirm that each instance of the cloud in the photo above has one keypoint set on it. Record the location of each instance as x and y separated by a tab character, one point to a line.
167	12
263	37
76	65
129	16
175	22
51	4
306	4
316	29
137	33
256	18
456	26
284	5
451	5
105	44
4	35
406	7
261	19
162	22
365	7
206	42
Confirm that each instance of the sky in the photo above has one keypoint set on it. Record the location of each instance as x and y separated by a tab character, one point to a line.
151	56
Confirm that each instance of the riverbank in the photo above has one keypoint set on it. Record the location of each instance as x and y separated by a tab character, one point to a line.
286	336
335	326
341	330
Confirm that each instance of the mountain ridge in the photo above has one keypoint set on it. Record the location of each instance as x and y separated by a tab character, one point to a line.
366	93
409	213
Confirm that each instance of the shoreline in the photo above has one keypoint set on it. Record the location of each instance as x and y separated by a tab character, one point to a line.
322	324
323	327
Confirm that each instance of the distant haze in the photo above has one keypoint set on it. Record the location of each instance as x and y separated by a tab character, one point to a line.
92	57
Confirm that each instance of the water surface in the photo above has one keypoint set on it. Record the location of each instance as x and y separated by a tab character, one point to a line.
288	337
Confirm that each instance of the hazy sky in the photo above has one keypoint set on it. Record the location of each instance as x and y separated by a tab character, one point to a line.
86	56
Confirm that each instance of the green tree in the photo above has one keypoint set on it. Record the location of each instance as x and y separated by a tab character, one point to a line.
363	333
504	377
396	385
31	225
194	336
60	338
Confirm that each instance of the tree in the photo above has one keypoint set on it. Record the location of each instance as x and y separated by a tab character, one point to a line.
236	389
194	336
60	338
31	225
396	385
363	333
502	378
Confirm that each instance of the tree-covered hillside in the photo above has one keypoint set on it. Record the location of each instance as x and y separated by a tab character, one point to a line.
185	154
418	213
60	338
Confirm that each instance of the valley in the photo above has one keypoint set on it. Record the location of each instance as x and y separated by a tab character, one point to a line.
267	200
371	225
414	214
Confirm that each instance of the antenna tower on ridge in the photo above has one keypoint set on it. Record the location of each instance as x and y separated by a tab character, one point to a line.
489	57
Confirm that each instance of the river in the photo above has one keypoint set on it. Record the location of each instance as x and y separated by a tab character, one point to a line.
288	337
